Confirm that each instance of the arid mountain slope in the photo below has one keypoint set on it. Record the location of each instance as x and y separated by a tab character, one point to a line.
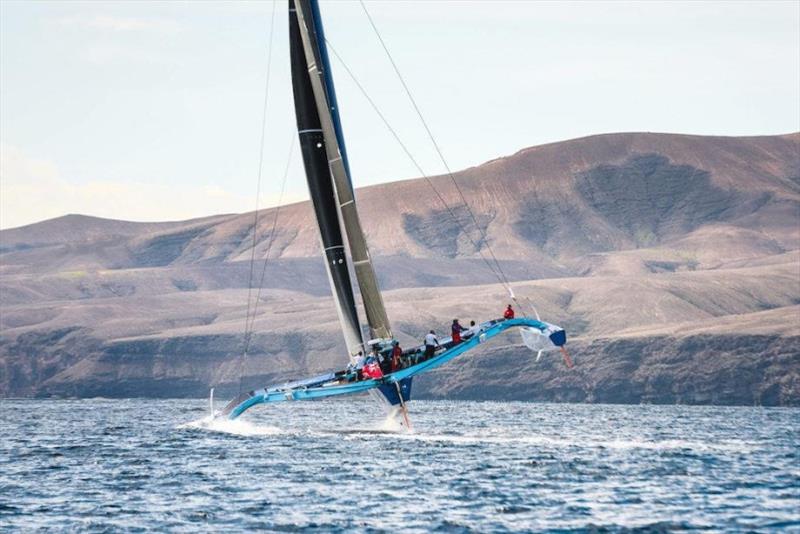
659	253
550	203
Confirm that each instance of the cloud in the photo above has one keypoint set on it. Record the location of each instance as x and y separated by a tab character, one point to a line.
32	190
15	165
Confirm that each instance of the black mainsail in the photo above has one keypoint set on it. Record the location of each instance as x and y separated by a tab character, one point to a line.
320	185
305	16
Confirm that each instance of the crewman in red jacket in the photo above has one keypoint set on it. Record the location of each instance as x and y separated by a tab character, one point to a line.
509	314
372	369
397	352
456	330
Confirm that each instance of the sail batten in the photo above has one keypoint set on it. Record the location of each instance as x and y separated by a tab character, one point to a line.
318	67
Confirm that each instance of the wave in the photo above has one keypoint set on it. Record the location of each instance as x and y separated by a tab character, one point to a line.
557	442
237	427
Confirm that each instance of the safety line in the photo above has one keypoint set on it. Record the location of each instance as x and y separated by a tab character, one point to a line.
258	192
272	236
484	237
413	160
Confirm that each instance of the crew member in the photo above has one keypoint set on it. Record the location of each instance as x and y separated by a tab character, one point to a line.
509	313
431	342
472	330
456	330
397	352
372	369
383	361
358	365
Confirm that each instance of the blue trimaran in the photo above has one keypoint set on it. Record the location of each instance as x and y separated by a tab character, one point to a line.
331	190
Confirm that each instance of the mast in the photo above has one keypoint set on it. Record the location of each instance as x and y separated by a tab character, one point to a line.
321	188
319	75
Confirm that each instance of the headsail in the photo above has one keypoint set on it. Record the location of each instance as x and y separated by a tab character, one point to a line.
318	72
320	184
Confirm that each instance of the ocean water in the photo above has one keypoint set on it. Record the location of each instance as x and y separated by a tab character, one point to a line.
135	465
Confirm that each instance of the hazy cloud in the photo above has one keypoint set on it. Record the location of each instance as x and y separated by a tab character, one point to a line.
143	93
32	190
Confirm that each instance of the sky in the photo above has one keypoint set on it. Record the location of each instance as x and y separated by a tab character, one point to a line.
152	111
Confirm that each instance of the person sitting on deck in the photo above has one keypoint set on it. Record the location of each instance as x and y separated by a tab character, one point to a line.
456	330
472	330
357	365
431	342
397	352
417	356
509	313
383	360
372	369
410	358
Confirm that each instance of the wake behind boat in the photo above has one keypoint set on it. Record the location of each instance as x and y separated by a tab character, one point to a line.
345	247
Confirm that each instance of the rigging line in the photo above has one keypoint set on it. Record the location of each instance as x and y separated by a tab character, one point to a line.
258	190
413	160
484	237
251	328
271	239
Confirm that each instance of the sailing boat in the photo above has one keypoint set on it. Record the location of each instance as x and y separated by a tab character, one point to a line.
332	196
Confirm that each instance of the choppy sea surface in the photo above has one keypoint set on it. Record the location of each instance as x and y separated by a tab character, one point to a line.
135	465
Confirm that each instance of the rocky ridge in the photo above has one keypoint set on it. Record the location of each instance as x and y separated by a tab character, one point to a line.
674	262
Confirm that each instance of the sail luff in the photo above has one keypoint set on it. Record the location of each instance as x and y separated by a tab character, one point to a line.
325	97
321	188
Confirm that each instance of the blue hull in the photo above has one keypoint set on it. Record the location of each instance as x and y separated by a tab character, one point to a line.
398	392
325	386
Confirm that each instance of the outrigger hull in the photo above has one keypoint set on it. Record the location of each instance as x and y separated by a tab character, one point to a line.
396	387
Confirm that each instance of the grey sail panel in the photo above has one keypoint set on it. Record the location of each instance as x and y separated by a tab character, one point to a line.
321	189
318	69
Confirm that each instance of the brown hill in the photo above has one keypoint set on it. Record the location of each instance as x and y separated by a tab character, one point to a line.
622	238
